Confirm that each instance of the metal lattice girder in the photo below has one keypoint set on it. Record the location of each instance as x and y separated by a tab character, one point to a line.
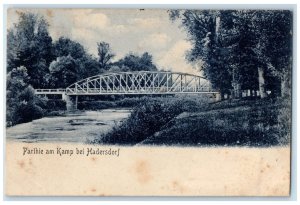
140	82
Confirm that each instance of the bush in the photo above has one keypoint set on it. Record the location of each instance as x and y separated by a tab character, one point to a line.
146	119
96	105
22	104
56	104
243	125
181	121
129	102
25	106
29	111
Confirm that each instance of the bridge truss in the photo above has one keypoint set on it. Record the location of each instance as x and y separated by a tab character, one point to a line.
140	82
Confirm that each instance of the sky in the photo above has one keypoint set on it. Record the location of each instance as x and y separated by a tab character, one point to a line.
126	30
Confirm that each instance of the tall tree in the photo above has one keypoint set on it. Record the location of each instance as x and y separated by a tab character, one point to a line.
89	66
86	65
241	49
273	48
134	62
203	29
67	47
30	45
105	55
63	72
242	58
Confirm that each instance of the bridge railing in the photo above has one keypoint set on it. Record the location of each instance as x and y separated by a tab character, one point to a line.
50	90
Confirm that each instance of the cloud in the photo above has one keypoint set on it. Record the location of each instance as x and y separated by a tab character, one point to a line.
174	58
145	23
77	24
118	29
88	20
155	41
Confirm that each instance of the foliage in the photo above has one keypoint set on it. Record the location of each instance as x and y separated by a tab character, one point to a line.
105	55
66	47
233	44
147	118
56	104
30	45
96	105
42	63
86	65
186	122
116	103
22	104
237	126
230	44
133	62
63	72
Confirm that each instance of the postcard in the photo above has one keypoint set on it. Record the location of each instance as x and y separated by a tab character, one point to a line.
148	102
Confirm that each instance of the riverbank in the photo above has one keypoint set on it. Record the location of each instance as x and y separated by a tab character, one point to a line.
147	171
185	122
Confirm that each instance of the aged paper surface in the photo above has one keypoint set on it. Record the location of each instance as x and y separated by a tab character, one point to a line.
148	102
149	171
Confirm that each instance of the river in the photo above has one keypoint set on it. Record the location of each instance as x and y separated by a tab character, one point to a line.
76	128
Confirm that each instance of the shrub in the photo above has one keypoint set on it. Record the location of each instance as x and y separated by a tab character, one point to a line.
129	102
244	125
186	121
25	106
146	119
22	104
96	105
56	104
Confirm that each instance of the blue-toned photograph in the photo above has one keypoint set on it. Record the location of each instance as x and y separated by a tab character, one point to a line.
148	102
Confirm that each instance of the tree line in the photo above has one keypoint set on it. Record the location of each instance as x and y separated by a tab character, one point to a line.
237	50
241	49
35	60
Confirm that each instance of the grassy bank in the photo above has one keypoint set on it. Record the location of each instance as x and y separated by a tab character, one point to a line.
185	121
148	117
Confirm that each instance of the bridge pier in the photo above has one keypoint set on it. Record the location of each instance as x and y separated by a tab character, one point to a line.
218	97
71	102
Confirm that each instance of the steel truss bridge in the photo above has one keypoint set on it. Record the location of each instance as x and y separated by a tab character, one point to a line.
139	82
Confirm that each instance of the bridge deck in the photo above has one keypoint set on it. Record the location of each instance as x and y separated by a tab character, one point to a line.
50	91
149	91
98	92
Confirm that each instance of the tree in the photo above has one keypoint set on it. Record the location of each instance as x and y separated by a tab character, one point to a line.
22	104
274	48
67	47
241	49
30	45
133	62
63	72
86	65
12	50
105	55
240	40
204	28
89	66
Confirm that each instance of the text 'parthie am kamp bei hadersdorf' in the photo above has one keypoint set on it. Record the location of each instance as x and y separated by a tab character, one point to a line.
70	152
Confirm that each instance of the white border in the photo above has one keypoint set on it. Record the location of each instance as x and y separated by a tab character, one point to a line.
156	4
